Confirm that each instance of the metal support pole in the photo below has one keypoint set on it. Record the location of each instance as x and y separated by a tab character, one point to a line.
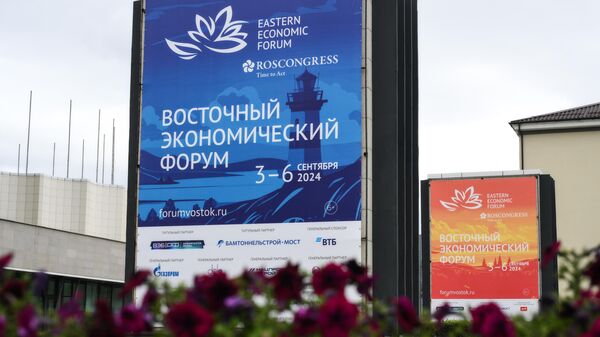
82	158
19	160
134	144
395	150
69	139
103	151
112	174
98	147
28	133
53	157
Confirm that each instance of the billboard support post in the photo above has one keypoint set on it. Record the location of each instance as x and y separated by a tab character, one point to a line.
134	143
548	233
425	247
395	151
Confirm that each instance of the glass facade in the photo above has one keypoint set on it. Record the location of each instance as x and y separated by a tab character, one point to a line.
62	289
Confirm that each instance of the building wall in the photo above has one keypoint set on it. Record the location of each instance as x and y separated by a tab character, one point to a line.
77	206
573	160
106	211
62	253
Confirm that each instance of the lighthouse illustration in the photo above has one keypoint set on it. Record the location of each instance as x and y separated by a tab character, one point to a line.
305	105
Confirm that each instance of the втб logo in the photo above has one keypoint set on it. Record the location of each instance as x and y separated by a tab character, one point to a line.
229	39
467	199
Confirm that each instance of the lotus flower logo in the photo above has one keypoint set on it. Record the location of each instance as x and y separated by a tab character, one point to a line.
228	39
248	66
467	199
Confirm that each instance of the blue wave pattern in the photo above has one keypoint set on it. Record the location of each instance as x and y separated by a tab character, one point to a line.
341	187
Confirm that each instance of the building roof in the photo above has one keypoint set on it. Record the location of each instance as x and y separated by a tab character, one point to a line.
591	111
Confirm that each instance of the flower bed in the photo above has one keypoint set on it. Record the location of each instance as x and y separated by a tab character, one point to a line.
291	304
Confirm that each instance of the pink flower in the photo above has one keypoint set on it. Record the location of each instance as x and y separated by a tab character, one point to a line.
237	306
254	280
441	312
13	290
337	317
594	330
188	319
355	269
550	253
212	290
593	270
359	276
331	278
5	260
305	321
287	283
490	321
27	322
40	283
71	310
150	298
140	277
2	326
405	314
374	326
364	284
103	323
133	320
587	295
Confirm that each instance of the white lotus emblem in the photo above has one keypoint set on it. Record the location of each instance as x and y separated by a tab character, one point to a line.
467	199
248	66
229	39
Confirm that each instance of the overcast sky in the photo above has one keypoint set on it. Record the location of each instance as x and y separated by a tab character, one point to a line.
63	50
482	64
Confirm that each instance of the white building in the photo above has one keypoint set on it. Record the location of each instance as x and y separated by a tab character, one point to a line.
72	229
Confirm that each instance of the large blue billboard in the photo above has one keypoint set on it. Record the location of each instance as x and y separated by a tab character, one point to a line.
251	112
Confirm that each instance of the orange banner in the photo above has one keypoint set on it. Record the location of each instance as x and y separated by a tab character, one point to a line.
484	238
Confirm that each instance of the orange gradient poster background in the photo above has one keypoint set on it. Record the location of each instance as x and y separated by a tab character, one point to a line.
484	239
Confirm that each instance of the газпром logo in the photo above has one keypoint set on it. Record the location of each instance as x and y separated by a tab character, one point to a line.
467	199
228	40
158	273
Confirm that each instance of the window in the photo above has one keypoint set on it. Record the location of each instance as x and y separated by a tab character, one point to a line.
91	295
117	301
